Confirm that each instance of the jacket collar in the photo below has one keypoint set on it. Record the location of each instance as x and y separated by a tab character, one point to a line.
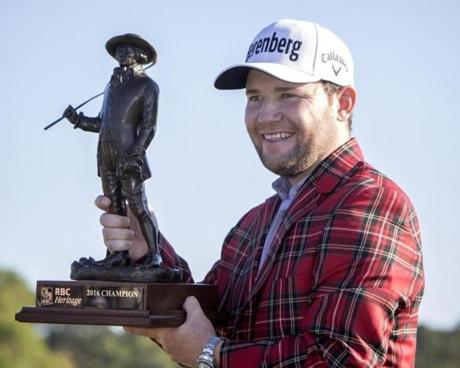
327	175
332	170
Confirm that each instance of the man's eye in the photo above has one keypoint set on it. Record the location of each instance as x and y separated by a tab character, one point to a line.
254	98
288	95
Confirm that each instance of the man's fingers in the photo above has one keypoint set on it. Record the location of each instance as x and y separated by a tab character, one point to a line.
137	330
117	234
117	239
102	202
118	245
114	221
109	219
192	307
154	333
191	303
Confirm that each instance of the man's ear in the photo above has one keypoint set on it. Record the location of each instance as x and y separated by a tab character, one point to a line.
347	100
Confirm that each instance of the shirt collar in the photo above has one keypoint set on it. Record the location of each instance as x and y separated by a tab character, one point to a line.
285	190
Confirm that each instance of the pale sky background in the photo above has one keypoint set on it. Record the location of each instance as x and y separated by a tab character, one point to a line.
206	174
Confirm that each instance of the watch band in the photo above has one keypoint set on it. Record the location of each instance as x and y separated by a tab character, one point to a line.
206	358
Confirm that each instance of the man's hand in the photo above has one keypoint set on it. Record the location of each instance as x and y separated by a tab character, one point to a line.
184	343
71	114
121	232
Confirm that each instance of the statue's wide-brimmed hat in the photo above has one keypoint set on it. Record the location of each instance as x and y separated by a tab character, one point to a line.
132	39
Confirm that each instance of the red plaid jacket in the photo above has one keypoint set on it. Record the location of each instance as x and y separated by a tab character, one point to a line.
342	282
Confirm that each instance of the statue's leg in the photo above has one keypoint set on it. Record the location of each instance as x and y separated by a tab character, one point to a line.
134	191
111	183
112	188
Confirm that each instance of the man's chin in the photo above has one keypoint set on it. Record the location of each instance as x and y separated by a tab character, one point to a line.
280	169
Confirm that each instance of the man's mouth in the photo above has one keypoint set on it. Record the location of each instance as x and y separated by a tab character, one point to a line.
275	137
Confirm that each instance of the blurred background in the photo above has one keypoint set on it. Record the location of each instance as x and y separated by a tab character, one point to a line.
206	174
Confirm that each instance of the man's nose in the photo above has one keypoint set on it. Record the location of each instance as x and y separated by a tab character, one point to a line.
269	112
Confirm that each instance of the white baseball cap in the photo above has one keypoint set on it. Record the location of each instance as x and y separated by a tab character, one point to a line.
294	51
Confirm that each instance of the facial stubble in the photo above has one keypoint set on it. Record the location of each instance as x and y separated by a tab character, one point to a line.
307	151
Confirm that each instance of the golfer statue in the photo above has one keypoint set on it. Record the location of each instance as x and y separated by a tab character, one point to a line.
126	125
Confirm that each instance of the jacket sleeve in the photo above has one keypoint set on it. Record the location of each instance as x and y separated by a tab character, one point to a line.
368	283
92	124
89	124
147	128
173	260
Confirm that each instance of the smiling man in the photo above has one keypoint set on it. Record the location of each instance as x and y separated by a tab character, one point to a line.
294	126
328	271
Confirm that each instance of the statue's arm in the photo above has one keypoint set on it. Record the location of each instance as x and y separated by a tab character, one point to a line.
90	124
148	124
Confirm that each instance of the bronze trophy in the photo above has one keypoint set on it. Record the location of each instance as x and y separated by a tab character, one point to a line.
115	290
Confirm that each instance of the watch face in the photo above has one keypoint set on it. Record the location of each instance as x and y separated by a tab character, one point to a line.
204	365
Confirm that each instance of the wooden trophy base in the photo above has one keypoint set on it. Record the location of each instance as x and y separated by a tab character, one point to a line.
117	303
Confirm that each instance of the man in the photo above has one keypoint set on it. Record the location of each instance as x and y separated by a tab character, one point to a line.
328	272
126	126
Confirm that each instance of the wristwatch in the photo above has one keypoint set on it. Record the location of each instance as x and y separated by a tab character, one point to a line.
206	358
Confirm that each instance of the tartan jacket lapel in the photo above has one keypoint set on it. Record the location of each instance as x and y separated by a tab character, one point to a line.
243	280
331	172
303	204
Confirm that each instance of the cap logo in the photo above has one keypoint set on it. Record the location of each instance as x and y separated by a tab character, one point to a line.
273	44
336	71
332	56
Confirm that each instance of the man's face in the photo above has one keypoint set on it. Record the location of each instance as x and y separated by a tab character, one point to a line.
126	55
293	126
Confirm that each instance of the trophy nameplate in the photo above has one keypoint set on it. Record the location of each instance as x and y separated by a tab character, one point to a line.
117	303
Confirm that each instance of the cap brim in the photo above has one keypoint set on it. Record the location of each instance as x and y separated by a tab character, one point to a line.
235	76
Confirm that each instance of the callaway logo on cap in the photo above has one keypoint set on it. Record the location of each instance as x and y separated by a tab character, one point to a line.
294	51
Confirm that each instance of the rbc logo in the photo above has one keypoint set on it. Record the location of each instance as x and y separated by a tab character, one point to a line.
46	296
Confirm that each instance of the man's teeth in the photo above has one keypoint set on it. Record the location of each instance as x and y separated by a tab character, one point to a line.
277	136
